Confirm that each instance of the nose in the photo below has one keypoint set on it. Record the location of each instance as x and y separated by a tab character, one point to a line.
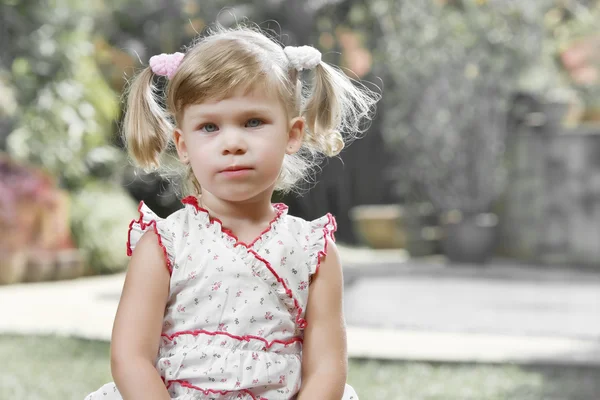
233	142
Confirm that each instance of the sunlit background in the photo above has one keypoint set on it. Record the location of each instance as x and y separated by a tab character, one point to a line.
468	215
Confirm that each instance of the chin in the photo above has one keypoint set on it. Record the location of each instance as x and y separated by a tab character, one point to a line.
241	195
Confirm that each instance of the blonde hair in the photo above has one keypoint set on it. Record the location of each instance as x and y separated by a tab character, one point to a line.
224	60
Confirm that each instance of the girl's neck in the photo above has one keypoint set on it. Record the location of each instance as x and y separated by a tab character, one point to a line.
230	213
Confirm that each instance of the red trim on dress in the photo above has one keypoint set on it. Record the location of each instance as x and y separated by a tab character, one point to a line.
279	207
143	227
245	338
188	385
326	232
299	320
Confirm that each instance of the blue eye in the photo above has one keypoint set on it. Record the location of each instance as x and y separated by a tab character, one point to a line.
210	127
254	122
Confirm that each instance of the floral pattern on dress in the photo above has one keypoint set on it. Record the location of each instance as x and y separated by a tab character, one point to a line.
233	325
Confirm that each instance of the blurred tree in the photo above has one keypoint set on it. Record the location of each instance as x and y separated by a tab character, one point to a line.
64	113
65	109
574	35
454	66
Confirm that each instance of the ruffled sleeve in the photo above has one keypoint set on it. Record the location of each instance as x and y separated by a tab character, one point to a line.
148	220
320	229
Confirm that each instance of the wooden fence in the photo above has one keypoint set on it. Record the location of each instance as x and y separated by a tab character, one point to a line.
551	209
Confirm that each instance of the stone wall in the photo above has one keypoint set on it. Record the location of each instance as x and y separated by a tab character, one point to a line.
551	208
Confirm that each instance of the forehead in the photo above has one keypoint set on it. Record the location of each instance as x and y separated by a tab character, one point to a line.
241	100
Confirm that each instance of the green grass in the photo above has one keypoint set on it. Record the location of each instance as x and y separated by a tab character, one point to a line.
49	368
374	380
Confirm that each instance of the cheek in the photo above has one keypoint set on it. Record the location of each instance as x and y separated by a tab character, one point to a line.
273	161
200	156
273	149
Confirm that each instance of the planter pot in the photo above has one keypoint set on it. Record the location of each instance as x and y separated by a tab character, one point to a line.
377	226
13	267
69	264
591	114
413	227
41	267
469	239
555	114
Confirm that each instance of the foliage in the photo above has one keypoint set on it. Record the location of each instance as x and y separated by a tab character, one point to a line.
63	116
65	108
453	66
8	103
98	212
573	28
134	30
21	183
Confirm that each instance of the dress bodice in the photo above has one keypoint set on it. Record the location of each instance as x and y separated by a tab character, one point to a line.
234	321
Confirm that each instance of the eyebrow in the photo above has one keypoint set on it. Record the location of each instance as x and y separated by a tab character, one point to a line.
196	115
257	110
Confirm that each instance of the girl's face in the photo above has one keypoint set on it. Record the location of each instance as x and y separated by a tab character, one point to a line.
236	145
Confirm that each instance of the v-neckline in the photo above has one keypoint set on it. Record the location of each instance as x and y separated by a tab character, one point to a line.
260	265
280	209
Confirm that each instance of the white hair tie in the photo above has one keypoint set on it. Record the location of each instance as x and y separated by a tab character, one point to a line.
303	57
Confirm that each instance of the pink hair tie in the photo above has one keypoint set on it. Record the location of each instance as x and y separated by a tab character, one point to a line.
166	64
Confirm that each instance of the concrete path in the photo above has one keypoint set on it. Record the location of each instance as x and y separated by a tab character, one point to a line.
395	308
521	302
503	312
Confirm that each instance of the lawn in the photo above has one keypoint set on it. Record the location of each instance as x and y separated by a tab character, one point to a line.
49	368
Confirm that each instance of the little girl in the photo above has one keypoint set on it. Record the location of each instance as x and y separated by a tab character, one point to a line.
230	297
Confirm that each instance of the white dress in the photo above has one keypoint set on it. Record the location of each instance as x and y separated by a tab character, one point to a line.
234	321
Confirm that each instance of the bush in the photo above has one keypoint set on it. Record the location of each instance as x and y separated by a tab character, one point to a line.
99	220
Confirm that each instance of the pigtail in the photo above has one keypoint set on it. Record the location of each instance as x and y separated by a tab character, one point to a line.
337	105
147	129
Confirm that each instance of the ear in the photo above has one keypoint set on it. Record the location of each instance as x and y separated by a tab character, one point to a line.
295	135
180	145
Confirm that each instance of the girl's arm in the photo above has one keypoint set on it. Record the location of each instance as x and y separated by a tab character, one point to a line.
138	323
324	358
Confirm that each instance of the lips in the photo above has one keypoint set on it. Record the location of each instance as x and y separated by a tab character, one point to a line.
236	172
236	168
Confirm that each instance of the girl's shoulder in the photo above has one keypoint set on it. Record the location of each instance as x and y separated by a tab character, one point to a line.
324	225
312	236
192	217
172	223
169	230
